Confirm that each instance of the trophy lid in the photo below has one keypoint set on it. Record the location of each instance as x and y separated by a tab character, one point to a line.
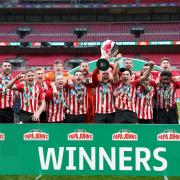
102	64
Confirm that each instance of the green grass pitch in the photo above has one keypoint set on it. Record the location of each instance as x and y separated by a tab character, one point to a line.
84	178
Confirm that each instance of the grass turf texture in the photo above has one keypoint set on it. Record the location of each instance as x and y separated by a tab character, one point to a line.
178	106
85	178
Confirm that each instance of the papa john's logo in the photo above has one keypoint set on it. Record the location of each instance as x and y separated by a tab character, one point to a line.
124	135
168	135
2	136
36	135
80	135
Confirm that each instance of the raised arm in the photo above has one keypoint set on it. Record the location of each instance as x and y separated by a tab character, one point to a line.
146	73
116	72
10	85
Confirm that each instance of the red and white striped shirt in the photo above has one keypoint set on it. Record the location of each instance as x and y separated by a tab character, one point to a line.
156	74
56	106
144	102
30	97
77	100
104	98
134	76
6	95
166	96
126	98
45	85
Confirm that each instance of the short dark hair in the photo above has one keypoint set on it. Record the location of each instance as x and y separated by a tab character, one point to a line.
146	64
86	62
166	73
165	59
77	71
58	61
130	72
127	59
5	61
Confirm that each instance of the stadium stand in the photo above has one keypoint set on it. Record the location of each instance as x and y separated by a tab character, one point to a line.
122	1
159	1
92	27
96	32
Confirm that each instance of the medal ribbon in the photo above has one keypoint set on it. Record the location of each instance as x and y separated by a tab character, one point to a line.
78	92
166	95
5	80
125	90
26	96
104	90
61	99
146	93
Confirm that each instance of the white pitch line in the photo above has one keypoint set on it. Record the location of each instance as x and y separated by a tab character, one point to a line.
38	177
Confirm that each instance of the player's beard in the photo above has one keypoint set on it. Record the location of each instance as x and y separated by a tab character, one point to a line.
7	72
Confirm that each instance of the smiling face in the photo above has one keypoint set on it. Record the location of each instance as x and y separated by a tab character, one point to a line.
59	82
30	77
105	76
165	64
84	67
78	77
6	68
58	68
128	64
126	76
39	75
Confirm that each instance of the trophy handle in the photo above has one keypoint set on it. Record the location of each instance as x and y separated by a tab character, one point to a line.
120	63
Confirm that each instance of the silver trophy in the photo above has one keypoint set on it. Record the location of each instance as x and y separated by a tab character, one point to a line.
109	49
120	63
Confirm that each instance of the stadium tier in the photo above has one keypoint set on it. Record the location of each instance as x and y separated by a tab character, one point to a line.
94	1
90	38
142	1
122	1
96	32
68	28
159	1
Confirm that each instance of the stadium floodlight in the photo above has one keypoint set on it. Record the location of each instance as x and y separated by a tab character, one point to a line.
80	32
22	32
137	31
